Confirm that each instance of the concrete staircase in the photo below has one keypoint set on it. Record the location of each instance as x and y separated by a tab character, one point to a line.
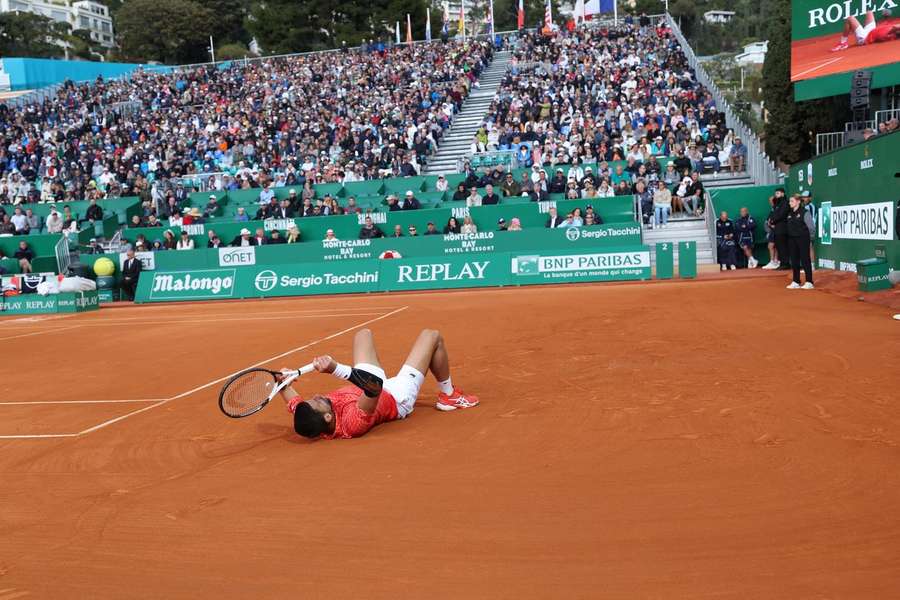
682	230
458	139
725	180
694	229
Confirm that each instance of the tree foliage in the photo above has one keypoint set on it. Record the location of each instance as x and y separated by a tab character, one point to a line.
228	24
282	26
232	51
82	46
168	31
27	34
784	130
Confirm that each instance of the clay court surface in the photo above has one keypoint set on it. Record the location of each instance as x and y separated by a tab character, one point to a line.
709	439
814	58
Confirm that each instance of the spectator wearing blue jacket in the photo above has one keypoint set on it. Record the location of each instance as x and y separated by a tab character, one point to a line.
727	247
745	226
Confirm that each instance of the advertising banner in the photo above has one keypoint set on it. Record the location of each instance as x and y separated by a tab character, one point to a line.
830	38
69	302
309	279
259	282
207	284
874	221
615	234
450	272
565	268
463	270
240	256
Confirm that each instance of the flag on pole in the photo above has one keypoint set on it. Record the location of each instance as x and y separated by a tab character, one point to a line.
462	19
398	32
520	16
408	29
579	12
445	23
427	24
491	17
548	18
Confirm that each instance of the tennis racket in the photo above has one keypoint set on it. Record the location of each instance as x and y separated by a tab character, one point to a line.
249	391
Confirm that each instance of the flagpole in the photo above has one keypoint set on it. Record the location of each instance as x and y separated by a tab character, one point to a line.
427	24
616	11
398	32
462	18
492	21
408	29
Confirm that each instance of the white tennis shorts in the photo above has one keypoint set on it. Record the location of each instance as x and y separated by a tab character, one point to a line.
404	387
863	31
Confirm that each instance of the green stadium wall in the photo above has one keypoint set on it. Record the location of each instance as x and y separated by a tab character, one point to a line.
861	174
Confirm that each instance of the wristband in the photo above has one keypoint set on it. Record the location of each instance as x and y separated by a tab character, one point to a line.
342	371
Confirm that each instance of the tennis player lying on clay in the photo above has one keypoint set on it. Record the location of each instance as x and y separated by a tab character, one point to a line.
351	411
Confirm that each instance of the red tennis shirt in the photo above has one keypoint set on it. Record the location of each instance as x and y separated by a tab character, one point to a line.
882	33
349	420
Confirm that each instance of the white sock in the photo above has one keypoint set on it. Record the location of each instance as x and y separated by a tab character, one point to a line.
446	387
843	39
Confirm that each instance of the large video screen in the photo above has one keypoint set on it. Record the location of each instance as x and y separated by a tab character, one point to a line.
830	39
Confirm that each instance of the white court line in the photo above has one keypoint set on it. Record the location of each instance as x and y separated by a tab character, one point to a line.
220	319
24	403
210	317
230	375
12	337
825	64
205	385
38	435
143	312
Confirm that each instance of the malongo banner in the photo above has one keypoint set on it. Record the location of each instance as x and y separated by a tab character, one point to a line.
358	276
832	38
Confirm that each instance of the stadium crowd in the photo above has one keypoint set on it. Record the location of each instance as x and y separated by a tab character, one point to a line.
603	95
327	117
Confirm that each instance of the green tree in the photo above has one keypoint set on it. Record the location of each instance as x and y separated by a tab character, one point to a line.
168	31
228	24
27	34
232	51
82	46
685	13
785	139
284	26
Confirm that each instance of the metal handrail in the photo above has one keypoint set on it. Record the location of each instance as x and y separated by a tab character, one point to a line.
826	142
854	125
709	216
759	166
883	116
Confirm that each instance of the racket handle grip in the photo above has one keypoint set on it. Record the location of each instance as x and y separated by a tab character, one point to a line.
306	369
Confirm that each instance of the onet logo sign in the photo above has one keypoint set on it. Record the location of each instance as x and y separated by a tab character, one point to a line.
193	285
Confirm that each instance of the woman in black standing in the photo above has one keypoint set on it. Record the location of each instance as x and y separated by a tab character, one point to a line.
799	224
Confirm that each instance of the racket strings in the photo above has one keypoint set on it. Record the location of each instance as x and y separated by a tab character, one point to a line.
247	393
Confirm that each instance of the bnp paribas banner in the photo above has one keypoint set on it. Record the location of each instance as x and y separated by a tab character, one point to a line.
596	266
346	277
873	221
